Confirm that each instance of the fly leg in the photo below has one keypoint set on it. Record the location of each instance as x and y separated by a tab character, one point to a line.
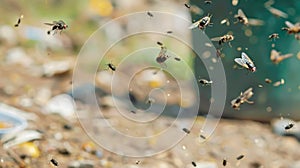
55	31
248	101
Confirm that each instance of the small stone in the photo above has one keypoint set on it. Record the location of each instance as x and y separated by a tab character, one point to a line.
25	101
42	96
56	68
61	104
8	35
29	149
18	56
58	136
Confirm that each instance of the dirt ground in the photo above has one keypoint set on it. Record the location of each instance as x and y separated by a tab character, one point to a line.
66	142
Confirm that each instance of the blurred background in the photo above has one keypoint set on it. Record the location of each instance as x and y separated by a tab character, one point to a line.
37	113
270	101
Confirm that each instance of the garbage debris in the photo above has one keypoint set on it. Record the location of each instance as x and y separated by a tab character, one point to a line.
10	122
16	138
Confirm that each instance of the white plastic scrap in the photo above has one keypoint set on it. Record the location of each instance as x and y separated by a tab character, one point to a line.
17	138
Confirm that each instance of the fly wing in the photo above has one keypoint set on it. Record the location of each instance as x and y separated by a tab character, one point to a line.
274	55
241	62
281	58
286	56
224	21
241	13
49	24
194	25
233	102
234	2
248	93
61	22
289	24
216	39
256	22
163	51
162	57
246	58
277	12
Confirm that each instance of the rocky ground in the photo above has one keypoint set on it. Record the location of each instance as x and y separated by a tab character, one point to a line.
63	139
36	78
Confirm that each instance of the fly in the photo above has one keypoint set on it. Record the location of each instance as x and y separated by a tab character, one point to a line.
186	130
255	22
202	23
202	136
177	59
219	53
292	28
150	100
111	66
242	98
224	39
289	126
246	62
150	14
162	56
207	1
277	12
205	82
278	83
267	80
241	17
224	162
276	58
19	21
57	26
225	21
240	157
273	36
194	164
54	162
196	10
187	5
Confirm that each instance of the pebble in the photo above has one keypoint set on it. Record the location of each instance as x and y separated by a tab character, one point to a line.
62	104
56	68
18	56
29	149
42	96
8	35
295	164
25	101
